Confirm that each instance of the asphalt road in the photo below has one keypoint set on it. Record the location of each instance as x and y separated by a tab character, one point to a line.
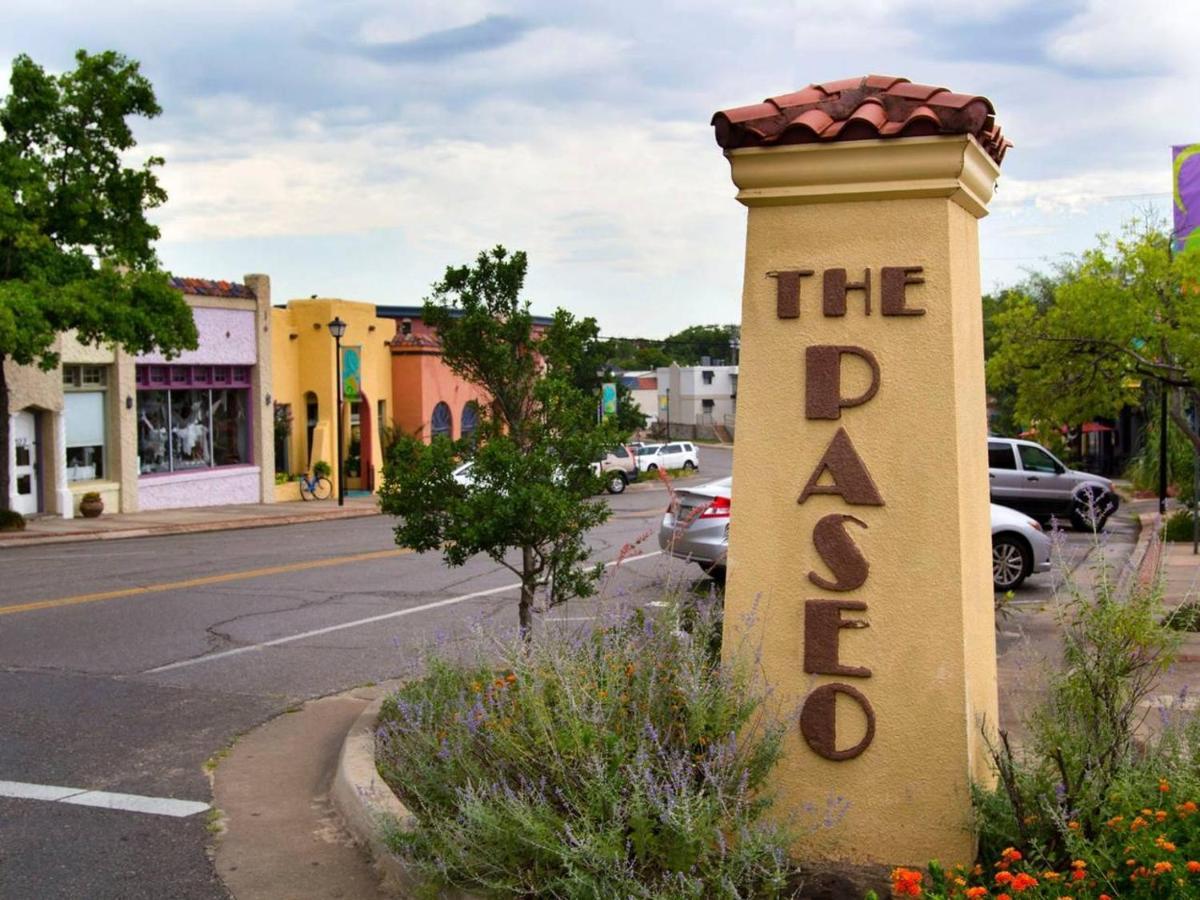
125	665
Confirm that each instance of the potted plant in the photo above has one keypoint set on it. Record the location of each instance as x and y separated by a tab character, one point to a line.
91	505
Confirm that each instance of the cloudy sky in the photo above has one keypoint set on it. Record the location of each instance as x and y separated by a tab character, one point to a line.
355	149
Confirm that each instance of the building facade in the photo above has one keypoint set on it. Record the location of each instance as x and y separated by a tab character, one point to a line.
147	432
698	401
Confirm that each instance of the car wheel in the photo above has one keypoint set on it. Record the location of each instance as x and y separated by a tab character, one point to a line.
688	464
1011	563
653	467
616	484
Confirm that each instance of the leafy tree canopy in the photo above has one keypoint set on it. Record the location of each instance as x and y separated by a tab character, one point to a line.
529	499
75	244
1124	317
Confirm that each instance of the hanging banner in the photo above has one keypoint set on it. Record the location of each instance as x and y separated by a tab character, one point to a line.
1186	185
351	373
608	398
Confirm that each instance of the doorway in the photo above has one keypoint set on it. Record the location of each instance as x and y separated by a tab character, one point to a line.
27	494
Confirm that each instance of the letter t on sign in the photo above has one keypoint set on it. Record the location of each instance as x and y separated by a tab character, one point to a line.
787	292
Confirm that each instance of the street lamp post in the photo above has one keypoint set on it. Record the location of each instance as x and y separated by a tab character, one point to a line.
338	328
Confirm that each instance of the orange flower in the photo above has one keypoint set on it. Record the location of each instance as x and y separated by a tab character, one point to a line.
1010	854
1137	823
976	892
1073	825
510	678
1004	877
1164	786
907	882
1003	897
1023	881
1079	864
1163	844
1160	816
1078	875
1115	821
1051	876
1187	808
1193	866
1161	867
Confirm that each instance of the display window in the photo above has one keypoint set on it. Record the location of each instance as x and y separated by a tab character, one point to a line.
192	427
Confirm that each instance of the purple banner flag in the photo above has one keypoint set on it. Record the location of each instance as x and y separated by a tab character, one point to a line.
1186	182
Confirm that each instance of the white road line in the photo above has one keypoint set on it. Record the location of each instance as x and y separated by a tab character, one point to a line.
155	806
317	632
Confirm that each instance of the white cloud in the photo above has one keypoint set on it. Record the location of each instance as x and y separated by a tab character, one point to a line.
1118	36
418	18
1080	192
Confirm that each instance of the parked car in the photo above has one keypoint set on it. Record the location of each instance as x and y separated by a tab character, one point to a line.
695	527
619	466
1019	548
677	455
1028	477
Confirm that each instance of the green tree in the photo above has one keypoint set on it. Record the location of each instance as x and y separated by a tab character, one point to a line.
688	346
75	244
1125	318
531	487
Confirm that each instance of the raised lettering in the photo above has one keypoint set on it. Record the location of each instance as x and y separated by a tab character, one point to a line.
836	287
840	554
822	623
818	721
823	381
787	292
851	480
894	280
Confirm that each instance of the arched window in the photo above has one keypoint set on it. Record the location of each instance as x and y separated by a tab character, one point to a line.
441	424
469	420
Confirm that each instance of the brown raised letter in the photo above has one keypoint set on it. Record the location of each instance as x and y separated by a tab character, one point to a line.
818	718
840	553
851	480
823	380
787	292
836	287
822	622
893	281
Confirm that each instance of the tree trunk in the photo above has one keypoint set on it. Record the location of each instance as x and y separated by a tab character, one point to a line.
1182	423
5	425
528	583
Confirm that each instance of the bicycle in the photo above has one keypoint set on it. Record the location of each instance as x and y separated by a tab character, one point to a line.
316	488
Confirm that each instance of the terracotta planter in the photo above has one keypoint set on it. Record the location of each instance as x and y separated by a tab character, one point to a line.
89	509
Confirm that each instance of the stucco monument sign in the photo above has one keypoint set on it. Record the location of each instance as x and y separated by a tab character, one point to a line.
862	559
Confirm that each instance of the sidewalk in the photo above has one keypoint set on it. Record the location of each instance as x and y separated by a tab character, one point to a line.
54	530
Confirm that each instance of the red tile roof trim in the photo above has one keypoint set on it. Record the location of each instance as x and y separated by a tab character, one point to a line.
856	109
206	287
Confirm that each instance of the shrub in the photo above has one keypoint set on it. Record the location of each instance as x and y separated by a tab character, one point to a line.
11	520
623	762
1185	617
321	469
1089	808
1179	526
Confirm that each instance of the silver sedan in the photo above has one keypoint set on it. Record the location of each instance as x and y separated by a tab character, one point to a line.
695	527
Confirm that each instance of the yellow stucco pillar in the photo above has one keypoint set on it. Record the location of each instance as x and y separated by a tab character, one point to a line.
860	544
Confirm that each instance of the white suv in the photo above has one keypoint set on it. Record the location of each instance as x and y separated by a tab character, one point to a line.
677	455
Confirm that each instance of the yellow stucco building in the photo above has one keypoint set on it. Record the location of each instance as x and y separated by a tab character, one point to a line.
303	353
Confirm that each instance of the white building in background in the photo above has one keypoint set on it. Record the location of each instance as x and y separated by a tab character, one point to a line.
698	401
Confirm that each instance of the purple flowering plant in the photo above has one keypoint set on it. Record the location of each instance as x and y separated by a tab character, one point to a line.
625	760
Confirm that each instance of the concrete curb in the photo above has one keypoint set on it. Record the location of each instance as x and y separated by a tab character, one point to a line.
32	539
1143	563
367	806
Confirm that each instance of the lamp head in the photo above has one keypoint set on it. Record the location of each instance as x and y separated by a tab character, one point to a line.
337	328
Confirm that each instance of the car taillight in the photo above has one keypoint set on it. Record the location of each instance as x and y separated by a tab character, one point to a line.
718	509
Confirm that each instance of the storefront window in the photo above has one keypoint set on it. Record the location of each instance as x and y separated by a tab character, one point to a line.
189	430
230	428
154	422
190	427
84	413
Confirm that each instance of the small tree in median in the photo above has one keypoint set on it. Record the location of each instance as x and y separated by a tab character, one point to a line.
75	245
531	486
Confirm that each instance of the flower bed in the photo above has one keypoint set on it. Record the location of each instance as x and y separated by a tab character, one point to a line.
624	761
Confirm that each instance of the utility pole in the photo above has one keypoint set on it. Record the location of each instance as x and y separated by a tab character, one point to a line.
1162	451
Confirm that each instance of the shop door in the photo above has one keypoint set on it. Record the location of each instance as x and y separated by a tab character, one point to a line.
26	494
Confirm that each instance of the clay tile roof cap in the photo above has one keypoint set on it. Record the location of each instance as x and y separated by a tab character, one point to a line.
871	106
